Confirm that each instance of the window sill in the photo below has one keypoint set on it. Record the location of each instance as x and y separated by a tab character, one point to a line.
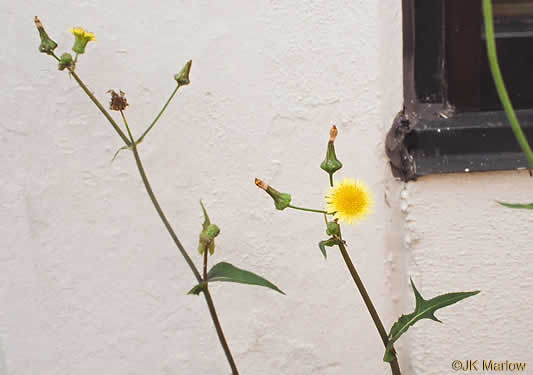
466	142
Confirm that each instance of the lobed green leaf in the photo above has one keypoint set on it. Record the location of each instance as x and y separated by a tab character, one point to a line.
424	309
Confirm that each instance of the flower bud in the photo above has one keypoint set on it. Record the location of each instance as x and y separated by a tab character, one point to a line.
212	231
183	76
331	164
82	37
333	229
207	239
208	234
65	61
281	200
47	45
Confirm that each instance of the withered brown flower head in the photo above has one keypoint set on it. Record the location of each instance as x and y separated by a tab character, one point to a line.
38	23
118	101
333	133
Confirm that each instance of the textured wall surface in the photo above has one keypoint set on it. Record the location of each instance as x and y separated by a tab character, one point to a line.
458	238
90	282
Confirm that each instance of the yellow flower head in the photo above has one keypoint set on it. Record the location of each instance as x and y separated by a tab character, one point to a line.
350	201
82	38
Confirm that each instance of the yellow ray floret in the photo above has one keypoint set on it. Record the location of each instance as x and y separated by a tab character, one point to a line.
82	33
350	201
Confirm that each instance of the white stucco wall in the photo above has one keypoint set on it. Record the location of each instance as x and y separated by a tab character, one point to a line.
459	238
90	281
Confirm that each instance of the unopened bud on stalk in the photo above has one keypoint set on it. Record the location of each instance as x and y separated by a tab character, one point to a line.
333	229
331	164
208	234
183	76
65	61
281	200
47	45
207	239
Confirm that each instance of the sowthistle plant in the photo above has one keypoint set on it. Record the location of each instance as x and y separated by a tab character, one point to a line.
221	272
350	201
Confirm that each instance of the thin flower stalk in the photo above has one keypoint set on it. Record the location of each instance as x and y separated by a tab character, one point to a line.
119	103
199	278
395	368
141	138
349	201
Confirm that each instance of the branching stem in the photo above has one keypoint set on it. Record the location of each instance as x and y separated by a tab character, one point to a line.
207	295
141	138
99	105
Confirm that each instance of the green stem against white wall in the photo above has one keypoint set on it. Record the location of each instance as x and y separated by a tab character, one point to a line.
207	294
308	209
499	83
141	138
395	368
97	103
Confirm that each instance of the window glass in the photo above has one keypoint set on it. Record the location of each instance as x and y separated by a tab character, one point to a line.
513	23
513	8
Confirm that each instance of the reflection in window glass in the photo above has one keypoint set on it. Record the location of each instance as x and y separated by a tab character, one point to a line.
513	8
513	24
513	17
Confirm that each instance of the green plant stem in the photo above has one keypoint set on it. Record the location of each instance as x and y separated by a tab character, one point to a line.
370	306
308	209
207	295
331	179
141	138
101	108
214	316
99	105
158	208
499	83
220	333
205	267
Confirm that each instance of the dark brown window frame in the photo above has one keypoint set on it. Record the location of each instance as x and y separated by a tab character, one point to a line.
443	58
